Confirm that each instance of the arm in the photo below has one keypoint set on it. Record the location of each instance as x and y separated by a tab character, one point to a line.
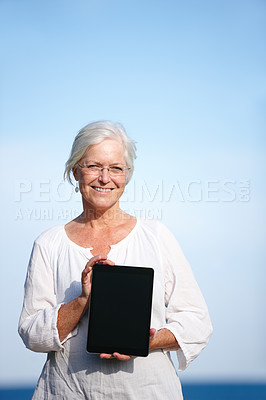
69	314
37	323
187	316
44	323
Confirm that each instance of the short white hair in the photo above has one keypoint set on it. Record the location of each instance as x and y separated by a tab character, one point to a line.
95	133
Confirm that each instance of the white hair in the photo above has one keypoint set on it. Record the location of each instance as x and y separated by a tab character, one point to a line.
95	133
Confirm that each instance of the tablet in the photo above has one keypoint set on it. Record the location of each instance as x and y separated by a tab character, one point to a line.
120	310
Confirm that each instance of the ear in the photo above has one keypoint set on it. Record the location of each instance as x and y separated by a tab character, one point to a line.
75	173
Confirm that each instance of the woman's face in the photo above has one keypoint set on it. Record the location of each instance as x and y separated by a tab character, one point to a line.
100	191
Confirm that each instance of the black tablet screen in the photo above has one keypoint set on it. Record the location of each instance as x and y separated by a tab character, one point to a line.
120	310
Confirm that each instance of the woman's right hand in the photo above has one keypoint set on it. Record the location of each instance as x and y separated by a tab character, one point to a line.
87	275
70	313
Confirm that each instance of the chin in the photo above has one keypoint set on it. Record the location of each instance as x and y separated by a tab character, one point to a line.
100	205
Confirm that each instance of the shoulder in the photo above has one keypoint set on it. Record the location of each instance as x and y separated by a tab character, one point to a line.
155	227
44	246
155	230
50	235
164	238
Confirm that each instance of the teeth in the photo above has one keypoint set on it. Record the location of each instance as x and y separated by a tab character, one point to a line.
102	189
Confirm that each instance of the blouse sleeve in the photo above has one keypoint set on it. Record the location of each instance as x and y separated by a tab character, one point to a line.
187	315
38	319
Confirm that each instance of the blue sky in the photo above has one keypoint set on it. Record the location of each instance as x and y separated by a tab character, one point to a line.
187	80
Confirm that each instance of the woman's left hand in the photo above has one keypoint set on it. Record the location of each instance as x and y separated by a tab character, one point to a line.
118	356
123	357
163	339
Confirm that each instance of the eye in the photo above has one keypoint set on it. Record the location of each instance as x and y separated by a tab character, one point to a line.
92	166
116	169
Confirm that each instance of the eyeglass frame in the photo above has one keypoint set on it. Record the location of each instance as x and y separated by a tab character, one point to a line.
102	167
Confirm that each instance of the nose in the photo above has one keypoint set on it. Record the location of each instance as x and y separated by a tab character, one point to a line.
104	175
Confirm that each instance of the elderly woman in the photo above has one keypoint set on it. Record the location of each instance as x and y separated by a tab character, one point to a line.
57	290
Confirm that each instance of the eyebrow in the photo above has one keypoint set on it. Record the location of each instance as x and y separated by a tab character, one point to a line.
99	163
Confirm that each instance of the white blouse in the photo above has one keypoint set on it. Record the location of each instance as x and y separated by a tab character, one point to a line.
53	278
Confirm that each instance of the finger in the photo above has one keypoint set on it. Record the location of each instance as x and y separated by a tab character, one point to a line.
121	357
152	331
86	272
106	261
94	260
107	356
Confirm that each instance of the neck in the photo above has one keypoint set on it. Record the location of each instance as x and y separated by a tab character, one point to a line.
98	218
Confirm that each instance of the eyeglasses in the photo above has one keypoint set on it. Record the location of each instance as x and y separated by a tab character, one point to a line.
96	170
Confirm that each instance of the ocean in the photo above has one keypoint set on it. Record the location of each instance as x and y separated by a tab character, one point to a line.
195	391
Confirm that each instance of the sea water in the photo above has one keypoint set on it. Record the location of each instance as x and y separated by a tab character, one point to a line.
212	391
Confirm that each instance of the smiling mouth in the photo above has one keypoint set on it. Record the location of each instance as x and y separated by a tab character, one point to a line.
102	190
